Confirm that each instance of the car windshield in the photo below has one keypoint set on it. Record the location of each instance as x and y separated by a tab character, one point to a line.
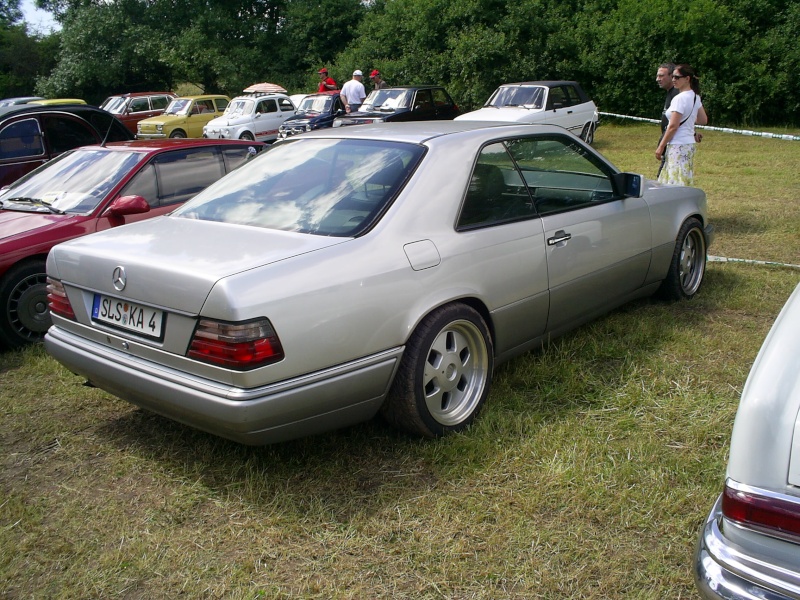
75	182
239	107
179	106
330	187
115	105
387	100
527	96
316	104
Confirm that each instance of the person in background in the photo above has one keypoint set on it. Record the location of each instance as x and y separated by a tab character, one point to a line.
664	81
678	145
326	83
377	81
353	92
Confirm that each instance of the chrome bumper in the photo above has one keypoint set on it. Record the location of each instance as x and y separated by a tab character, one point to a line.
723	571
313	403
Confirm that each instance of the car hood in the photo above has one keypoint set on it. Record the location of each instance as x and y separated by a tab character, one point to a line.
174	262
15	223
224	121
515	114
163	120
303	119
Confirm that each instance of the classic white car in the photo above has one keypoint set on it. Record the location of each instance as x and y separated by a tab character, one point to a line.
749	547
354	270
255	116
562	103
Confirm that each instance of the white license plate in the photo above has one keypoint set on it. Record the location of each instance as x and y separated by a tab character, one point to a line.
128	315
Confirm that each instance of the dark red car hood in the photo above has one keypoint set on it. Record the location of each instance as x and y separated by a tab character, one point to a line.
13	222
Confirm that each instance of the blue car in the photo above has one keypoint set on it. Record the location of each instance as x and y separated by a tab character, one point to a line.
316	111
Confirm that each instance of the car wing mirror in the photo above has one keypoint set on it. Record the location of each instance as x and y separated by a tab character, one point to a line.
629	185
557	105
127	205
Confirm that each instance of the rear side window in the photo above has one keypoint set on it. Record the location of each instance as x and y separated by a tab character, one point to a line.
221	104
237	156
174	177
21	139
109	128
159	102
441	99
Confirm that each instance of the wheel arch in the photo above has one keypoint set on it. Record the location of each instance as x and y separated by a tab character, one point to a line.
469	300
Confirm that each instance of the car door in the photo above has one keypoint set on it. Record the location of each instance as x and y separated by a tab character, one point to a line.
598	242
503	240
22	148
444	105
561	110
170	179
267	119
422	109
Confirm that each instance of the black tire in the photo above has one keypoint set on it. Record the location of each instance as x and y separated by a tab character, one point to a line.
24	316
587	135
246	135
445	373
178	134
688	265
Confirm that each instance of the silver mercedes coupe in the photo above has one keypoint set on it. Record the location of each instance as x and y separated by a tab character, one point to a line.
383	268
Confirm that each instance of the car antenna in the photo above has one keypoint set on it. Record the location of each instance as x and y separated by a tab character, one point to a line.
110	126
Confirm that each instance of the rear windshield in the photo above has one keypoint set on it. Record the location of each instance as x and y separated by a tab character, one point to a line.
331	187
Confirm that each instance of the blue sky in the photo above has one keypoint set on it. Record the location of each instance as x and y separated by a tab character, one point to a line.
38	20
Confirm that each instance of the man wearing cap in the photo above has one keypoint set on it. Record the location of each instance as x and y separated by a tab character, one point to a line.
377	80
326	83
353	92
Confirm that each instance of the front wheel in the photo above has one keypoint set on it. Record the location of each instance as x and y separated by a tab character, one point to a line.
246	135
24	316
445	373
688	264
177	134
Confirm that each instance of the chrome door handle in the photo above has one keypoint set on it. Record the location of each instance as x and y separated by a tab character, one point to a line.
560	236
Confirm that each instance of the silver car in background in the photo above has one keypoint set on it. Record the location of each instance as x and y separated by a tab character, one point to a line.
363	269
749	547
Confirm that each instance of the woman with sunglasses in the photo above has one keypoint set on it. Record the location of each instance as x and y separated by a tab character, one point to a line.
677	146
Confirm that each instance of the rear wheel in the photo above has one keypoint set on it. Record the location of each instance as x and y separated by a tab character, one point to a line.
688	265
246	135
587	135
178	133
24	316
445	374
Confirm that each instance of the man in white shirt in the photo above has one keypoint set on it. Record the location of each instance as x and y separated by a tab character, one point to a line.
353	92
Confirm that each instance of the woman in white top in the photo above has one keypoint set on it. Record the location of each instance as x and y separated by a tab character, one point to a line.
678	145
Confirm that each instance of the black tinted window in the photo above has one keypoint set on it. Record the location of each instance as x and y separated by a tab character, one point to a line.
183	174
21	139
236	156
65	133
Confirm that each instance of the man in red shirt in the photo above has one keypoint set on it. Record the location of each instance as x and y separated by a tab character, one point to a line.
326	83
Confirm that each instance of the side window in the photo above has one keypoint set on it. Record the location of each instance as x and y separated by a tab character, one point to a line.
267	106
109	127
496	192
338	105
204	106
423	100
139	105
143	184
64	133
236	156
440	98
21	139
184	173
556	98
286	104
221	103
159	102
560	174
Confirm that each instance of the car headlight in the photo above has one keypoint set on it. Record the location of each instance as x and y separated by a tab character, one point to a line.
337	123
159	128
308	127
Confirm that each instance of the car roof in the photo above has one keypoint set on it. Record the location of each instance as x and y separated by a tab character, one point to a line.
418	132
77	109
202	97
414	87
137	94
260	96
547	83
169	144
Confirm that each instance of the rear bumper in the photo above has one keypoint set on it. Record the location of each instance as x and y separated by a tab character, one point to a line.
309	404
723	571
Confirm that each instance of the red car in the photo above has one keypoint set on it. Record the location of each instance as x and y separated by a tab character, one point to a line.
90	189
136	106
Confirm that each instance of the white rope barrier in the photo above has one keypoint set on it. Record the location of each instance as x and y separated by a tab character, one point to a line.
766	134
724	259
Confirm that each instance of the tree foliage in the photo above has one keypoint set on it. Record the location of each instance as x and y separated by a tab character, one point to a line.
744	50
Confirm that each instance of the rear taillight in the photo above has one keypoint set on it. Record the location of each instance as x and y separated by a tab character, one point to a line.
238	346
776	514
57	300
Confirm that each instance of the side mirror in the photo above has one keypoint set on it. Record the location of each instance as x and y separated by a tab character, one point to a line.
557	105
257	115
127	205
630	185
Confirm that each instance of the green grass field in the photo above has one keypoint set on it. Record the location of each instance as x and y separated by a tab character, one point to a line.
587	476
